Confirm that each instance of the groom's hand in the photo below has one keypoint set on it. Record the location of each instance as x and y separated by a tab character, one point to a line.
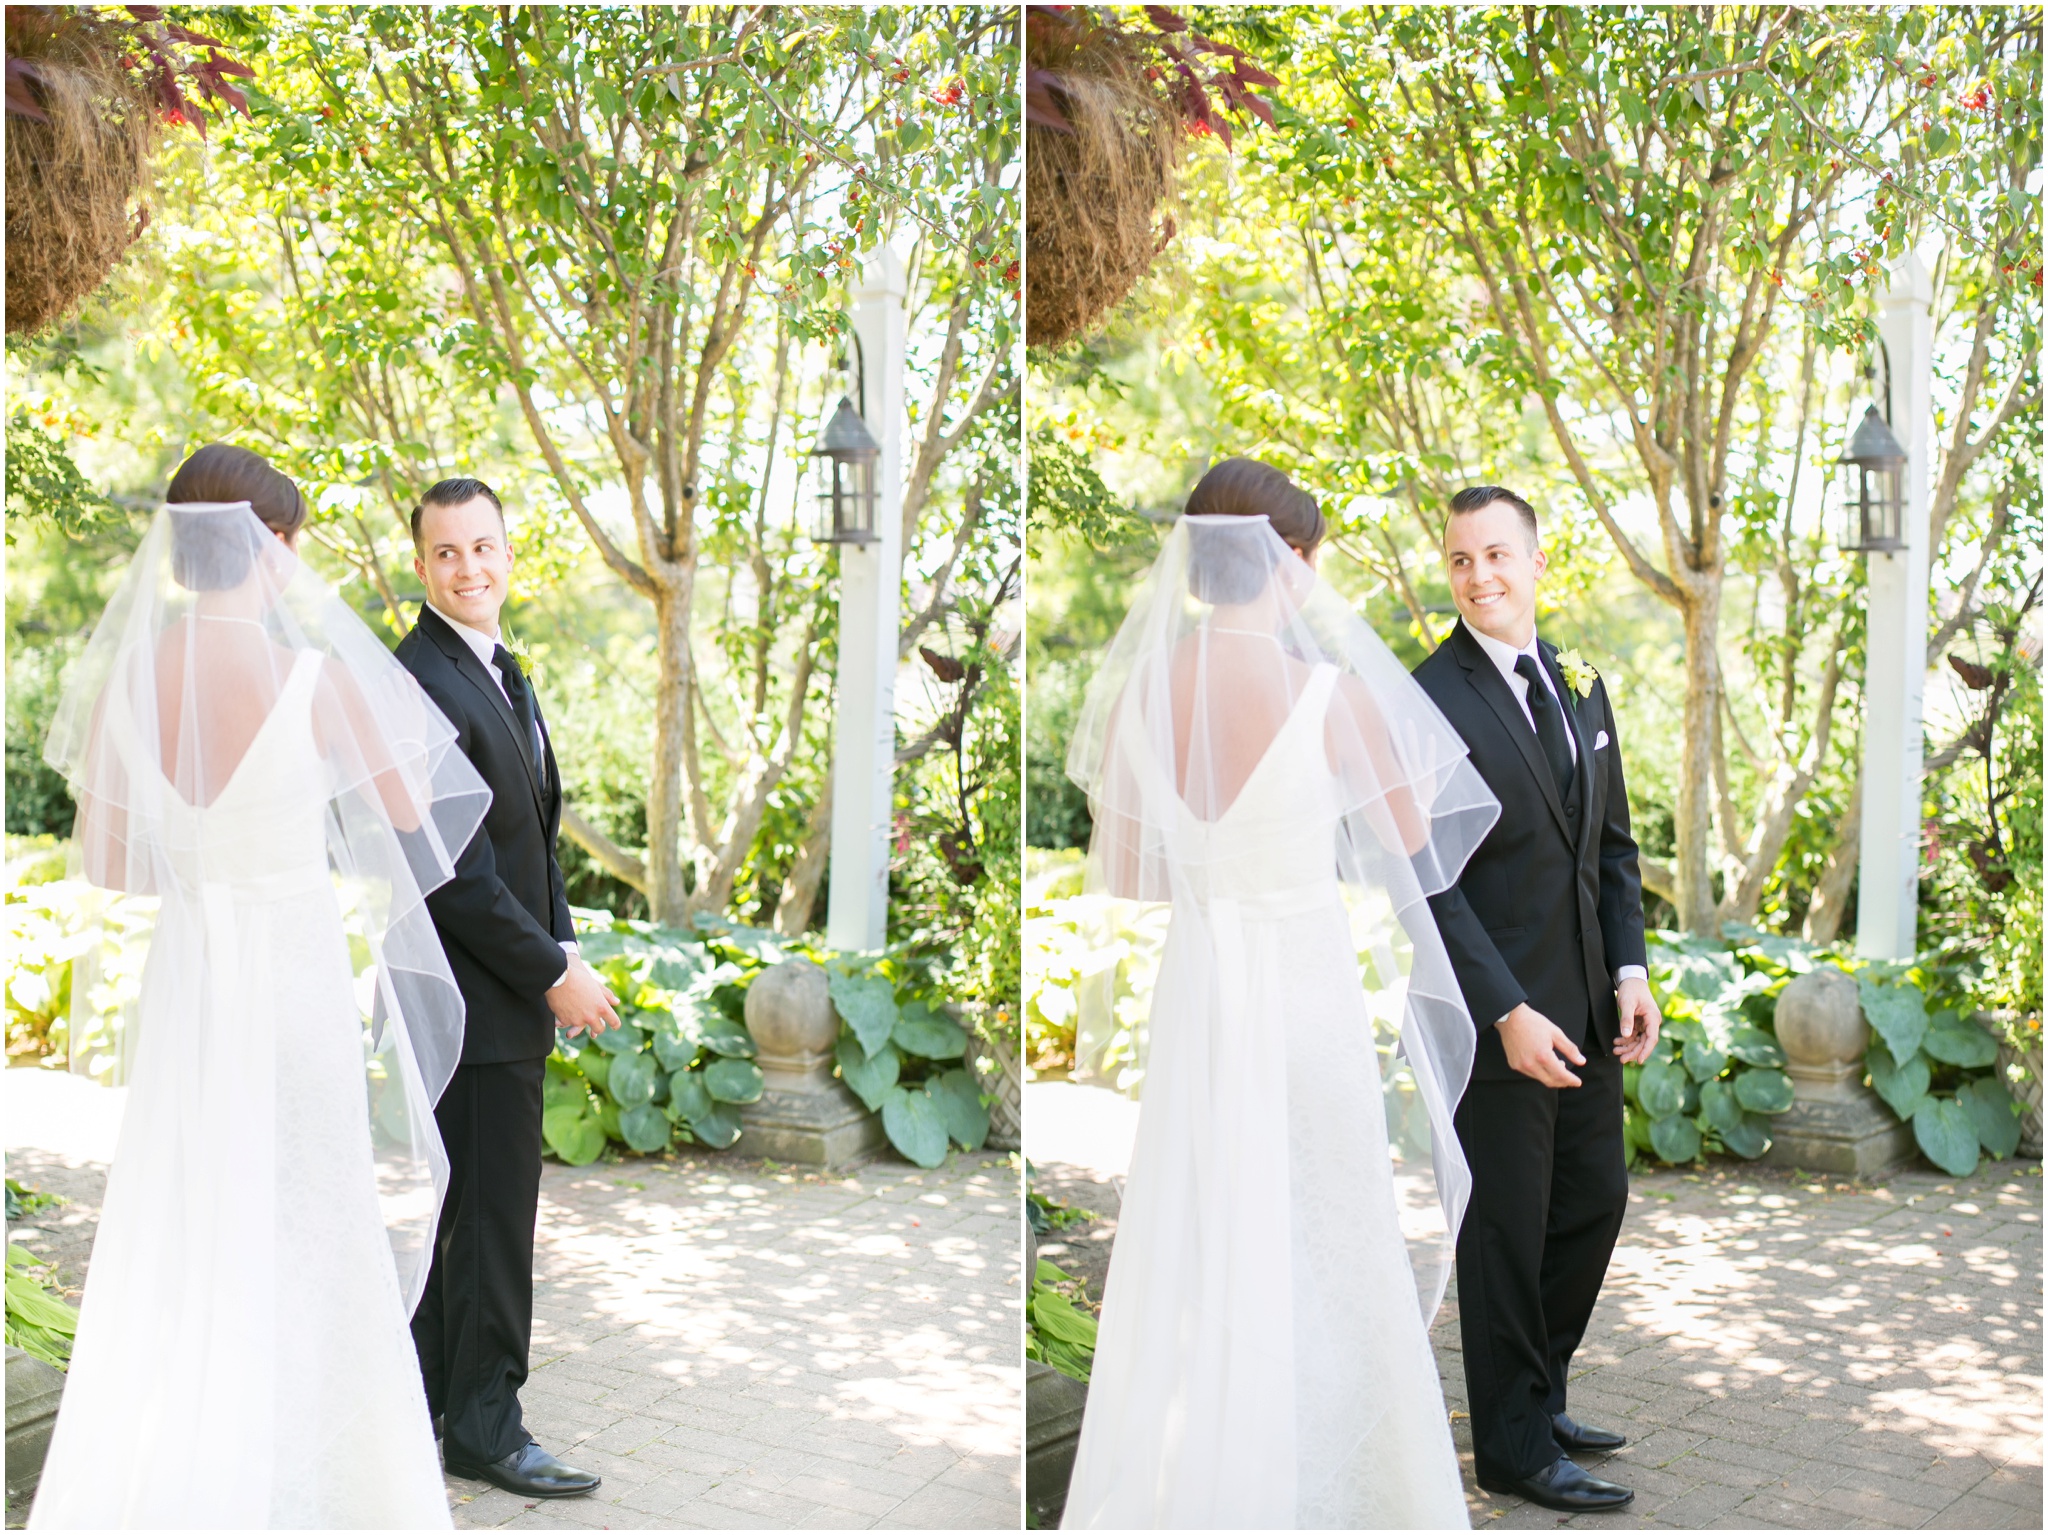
1533	1044
581	1003
1639	1021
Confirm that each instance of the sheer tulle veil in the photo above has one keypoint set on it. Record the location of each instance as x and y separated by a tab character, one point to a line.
1220	643
168	705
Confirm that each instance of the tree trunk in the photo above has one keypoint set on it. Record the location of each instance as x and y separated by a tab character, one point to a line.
666	896
1695	894
800	886
1830	903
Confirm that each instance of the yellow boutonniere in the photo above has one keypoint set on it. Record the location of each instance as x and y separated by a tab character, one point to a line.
522	658
1578	672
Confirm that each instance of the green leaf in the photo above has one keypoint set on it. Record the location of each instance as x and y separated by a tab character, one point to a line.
867	1003
733	1081
1898	1013
1945	1132
718	1127
1764	1092
632	1080
1960	1044
1903	1088
922	1031
596	1066
673	1051
728	1038
1993	1113
645	1127
1053	1314
870	1077
572	1133
915	1126
1719	1103
958	1096
688	1098
623	1040
1704	1062
1753	1047
1751	1138
1661	1088
1674	1138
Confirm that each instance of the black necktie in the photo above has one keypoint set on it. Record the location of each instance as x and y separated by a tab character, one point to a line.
1549	726
521	697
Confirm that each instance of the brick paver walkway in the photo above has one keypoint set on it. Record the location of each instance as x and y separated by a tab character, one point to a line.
1784	1353
734	1344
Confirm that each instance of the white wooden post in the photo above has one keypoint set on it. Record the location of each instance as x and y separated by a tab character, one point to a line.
1888	875
870	588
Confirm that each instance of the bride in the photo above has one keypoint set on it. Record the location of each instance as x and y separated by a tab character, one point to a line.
1255	756
242	747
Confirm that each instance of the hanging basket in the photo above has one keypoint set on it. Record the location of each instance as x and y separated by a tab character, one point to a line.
80	129
1103	144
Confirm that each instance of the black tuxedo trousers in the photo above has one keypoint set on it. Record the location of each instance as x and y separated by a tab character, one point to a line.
502	920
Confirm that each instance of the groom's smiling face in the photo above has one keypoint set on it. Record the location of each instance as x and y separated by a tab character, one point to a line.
1493	561
465	562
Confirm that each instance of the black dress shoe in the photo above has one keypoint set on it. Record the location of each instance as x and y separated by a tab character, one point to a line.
1578	1436
531	1472
1565	1487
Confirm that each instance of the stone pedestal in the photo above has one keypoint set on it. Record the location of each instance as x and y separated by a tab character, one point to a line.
1053	1404
33	1391
804	1114
1836	1124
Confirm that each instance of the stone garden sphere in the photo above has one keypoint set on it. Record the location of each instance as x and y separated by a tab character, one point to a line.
1820	1021
789	1011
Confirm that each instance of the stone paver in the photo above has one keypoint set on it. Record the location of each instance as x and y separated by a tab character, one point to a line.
736	1344
1783	1352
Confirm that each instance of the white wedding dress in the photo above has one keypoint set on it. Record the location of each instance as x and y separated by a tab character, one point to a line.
243	1358
1263	1357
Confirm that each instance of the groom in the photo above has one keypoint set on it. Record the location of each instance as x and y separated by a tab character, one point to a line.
1545	932
504	922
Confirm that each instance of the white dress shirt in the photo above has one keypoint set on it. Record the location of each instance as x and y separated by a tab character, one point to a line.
485	648
1503	655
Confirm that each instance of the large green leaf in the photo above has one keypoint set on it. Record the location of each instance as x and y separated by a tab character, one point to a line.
958	1096
623	1040
632	1079
1754	1047
1704	1062
562	1084
1053	1314
1993	1113
573	1133
718	1127
1960	1044
1903	1088
1751	1138
915	1126
867	1003
729	1038
920	1030
1661	1088
1719	1104
1897	1012
870	1077
595	1065
645	1127
1945	1132
689	1099
1764	1092
733	1081
673	1051
1675	1138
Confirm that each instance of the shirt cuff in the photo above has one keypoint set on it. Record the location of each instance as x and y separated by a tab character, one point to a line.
1630	973
570	950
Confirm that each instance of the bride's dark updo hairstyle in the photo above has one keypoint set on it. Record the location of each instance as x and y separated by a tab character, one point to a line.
209	552
1218	570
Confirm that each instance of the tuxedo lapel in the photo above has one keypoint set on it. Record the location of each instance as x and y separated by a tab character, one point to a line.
1587	776
472	671
1487	682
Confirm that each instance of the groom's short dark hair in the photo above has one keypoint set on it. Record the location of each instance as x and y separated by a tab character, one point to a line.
1473	497
455	492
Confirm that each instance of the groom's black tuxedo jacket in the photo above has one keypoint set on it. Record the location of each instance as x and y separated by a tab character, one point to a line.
504	917
1551	903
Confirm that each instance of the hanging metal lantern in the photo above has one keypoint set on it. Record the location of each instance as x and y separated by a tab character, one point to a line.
1871	486
846	457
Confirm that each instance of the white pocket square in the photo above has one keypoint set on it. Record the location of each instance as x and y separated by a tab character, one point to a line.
1601	742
